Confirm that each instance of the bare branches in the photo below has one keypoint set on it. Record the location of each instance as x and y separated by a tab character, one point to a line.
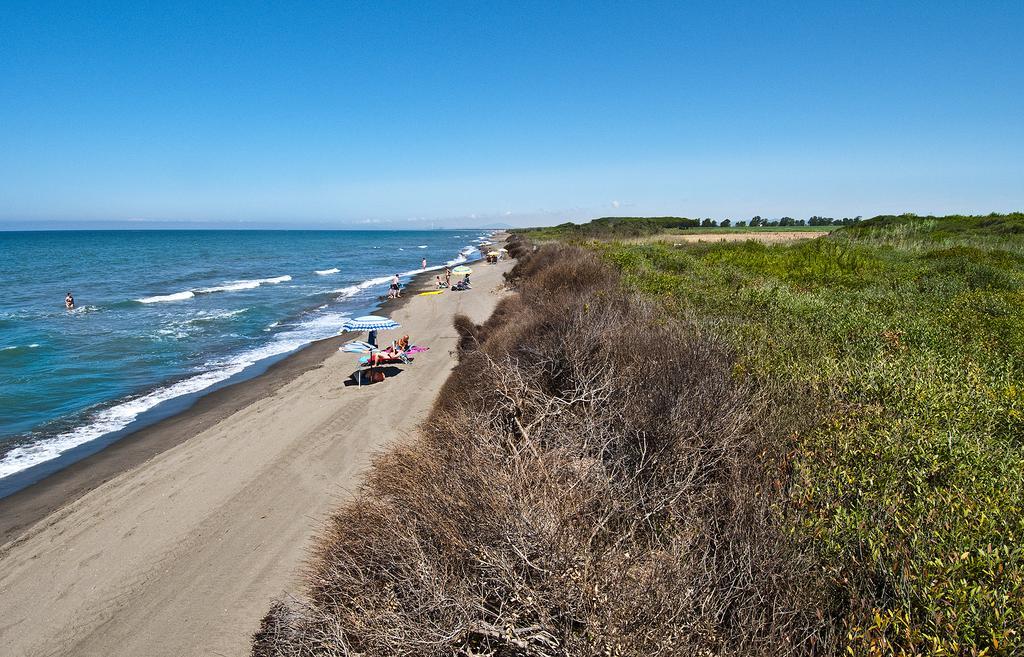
592	481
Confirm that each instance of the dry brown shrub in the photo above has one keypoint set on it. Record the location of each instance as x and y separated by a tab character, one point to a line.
517	246
593	480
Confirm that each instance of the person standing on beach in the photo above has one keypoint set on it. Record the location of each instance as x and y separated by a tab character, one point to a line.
447	276
395	286
423	265
69	302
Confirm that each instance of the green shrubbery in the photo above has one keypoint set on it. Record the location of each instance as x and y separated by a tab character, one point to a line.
909	335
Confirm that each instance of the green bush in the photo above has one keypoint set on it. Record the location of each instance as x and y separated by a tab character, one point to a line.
908	334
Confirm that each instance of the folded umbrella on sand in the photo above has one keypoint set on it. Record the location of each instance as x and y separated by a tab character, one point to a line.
357	347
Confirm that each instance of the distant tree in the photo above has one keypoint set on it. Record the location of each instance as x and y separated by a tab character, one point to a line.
741	223
773	223
801	222
709	223
787	221
757	221
725	223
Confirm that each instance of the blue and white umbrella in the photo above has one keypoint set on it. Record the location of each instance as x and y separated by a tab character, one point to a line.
369	323
357	347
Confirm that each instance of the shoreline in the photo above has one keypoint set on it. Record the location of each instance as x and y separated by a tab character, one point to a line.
27	506
183	552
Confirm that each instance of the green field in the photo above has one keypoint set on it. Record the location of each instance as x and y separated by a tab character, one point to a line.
907	334
626	227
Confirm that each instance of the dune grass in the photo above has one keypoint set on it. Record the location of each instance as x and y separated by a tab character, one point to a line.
909	335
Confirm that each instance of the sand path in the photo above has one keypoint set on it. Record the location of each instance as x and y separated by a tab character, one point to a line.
182	554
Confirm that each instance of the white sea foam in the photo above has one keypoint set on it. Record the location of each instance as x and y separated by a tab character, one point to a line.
233	286
177	296
33	345
119	416
210	316
244	285
327	272
422	246
9	348
346	292
462	257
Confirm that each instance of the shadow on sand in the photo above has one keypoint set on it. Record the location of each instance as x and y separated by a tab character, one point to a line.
388	371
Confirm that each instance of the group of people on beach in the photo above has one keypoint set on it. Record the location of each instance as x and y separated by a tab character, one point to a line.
447	282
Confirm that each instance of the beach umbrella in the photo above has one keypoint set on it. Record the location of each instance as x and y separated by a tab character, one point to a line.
493	253
358	347
462	269
504	250
370	323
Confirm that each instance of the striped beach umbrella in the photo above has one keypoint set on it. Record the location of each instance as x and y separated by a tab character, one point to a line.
357	347
462	269
369	323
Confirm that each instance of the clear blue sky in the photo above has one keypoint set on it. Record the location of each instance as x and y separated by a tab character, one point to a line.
522	113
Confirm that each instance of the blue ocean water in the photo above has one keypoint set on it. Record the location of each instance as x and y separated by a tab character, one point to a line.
163	316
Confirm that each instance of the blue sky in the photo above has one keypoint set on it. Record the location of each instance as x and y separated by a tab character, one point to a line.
406	115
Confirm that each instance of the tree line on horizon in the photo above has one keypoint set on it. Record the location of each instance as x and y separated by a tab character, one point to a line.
637	226
626	227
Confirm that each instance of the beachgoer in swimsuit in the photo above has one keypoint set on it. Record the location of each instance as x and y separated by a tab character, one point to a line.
423	265
395	287
69	302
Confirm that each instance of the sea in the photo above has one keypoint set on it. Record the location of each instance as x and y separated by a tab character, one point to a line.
163	317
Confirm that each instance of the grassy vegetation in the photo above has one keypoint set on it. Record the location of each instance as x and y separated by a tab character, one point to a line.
712	230
626	227
908	334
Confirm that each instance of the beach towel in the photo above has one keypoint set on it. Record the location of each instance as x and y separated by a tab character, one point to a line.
416	349
428	294
394	360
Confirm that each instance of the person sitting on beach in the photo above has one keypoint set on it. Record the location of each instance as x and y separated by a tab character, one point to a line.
69	302
466	280
440	284
403	343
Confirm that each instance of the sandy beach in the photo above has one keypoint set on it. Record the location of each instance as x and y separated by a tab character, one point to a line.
174	543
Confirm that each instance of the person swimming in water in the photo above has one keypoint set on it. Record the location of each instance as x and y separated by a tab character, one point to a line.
69	302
